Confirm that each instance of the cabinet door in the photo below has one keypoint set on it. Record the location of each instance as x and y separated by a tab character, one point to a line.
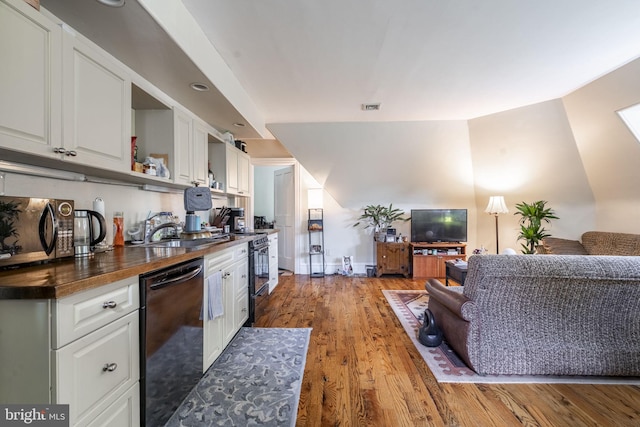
229	297
200	153
273	261
96	105
30	80
183	151
241	284
232	169
243	174
213	337
93	371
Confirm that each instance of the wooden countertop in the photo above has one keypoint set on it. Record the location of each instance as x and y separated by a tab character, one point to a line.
65	277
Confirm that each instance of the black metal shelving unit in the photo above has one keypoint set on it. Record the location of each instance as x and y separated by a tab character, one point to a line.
315	227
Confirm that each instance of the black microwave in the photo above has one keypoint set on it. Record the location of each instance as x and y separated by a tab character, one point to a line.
33	230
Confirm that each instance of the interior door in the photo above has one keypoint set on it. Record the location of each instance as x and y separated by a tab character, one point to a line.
284	209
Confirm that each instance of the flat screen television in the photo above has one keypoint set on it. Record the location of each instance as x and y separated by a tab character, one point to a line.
438	225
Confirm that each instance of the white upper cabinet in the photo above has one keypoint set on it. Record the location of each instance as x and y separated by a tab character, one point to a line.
191	141
200	152
232	169
183	147
243	173
232	165
96	106
30	80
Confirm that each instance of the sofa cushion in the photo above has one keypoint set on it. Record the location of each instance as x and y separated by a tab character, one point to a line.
607	243
557	246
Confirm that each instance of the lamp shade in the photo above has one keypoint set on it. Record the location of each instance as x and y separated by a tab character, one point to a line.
314	196
496	205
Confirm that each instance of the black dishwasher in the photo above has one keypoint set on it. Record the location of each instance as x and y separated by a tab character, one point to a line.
171	337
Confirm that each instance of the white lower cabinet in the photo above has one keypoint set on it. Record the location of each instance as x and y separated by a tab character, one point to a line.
273	261
232	266
92	366
93	371
125	411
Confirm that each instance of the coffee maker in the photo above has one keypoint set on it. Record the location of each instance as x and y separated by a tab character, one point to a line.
237	220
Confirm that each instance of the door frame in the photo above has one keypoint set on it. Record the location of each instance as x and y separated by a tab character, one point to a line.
284	161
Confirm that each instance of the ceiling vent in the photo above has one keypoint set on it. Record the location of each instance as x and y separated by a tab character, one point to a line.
371	107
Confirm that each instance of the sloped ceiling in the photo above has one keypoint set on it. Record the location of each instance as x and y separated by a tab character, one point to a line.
318	61
401	162
303	69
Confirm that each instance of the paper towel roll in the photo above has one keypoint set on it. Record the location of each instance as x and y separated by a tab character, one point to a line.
98	206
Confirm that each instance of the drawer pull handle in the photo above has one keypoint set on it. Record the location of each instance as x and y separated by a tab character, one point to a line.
225	275
109	304
109	367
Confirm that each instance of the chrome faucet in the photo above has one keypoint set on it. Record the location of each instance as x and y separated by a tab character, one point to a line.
148	238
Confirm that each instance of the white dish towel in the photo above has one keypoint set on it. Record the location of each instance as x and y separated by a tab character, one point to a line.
215	307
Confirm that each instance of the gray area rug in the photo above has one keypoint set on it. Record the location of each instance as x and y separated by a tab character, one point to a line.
255	381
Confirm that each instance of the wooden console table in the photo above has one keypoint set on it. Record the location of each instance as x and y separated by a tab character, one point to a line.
428	259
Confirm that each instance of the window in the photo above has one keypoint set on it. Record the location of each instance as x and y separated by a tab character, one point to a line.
631	117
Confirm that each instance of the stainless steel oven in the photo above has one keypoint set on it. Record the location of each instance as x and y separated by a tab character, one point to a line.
258	276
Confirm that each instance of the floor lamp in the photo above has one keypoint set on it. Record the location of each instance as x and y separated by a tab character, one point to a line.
495	207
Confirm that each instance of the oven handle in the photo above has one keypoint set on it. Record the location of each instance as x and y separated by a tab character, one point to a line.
190	274
261	291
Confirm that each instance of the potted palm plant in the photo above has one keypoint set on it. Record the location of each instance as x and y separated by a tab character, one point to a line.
378	218
531	227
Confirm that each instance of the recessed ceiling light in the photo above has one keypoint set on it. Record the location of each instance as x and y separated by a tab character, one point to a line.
112	3
239	125
371	107
200	87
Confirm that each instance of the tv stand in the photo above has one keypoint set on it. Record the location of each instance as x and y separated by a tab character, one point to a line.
428	259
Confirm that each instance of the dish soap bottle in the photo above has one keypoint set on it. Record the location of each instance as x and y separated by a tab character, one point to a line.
118	229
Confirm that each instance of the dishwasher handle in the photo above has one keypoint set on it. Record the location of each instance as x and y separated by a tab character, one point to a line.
183	277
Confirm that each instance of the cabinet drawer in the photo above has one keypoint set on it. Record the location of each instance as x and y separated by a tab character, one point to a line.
240	252
124	412
218	260
98	368
84	312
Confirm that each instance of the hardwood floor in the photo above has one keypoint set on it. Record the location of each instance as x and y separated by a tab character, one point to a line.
362	369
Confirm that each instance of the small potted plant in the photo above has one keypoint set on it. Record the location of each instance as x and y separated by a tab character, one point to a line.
531	229
378	218
8	214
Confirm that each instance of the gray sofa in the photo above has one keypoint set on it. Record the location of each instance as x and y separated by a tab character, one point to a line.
544	315
593	243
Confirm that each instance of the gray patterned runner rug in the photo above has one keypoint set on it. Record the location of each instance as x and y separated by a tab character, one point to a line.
255	381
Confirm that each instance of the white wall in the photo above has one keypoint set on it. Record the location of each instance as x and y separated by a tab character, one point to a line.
135	203
529	154
608	149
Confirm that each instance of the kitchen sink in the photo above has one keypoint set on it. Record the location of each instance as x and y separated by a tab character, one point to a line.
186	244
